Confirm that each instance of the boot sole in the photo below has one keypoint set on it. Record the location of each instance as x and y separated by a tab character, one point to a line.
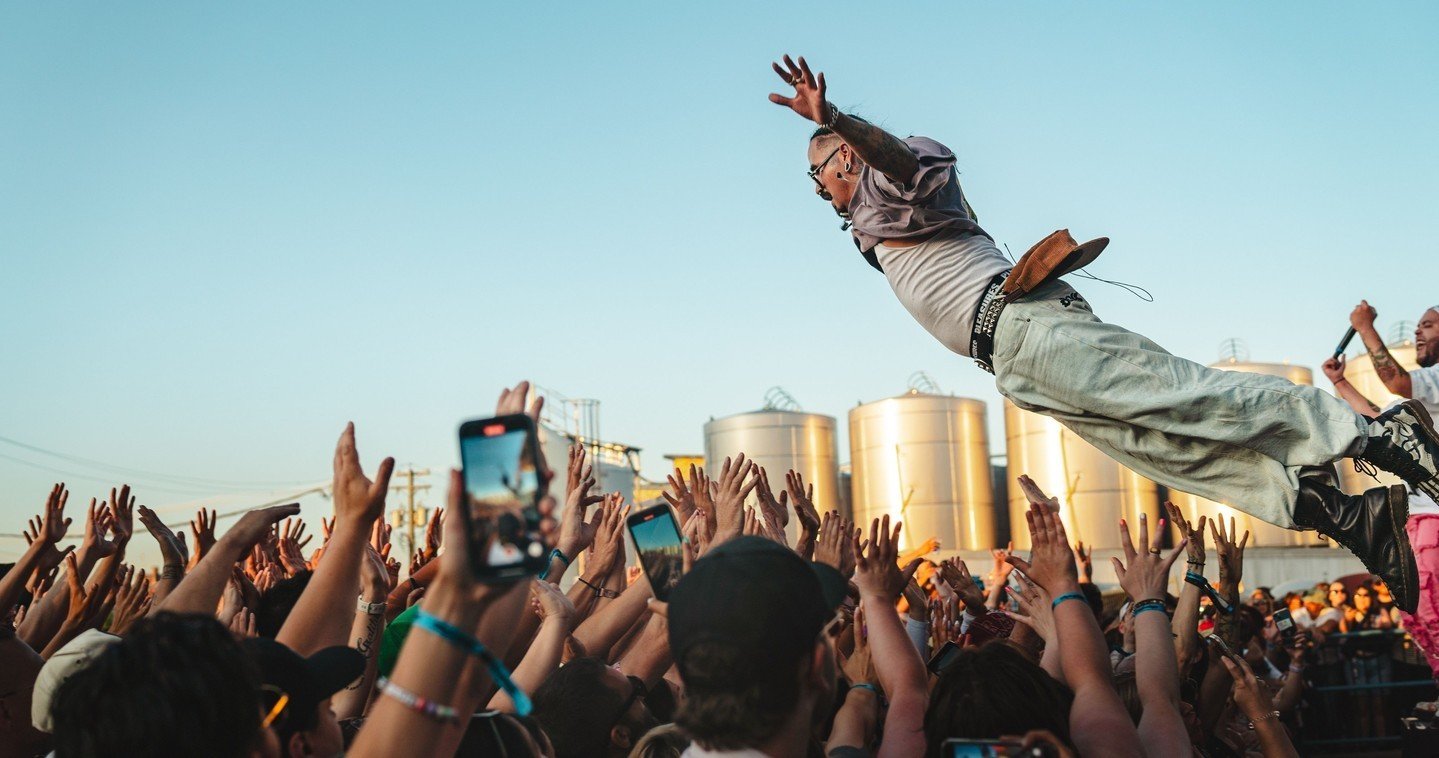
1425	427
1408	595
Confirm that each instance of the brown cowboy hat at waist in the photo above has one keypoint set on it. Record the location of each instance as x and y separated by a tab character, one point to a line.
1053	257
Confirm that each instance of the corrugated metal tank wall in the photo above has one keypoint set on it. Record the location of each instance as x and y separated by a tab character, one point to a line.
780	441
1094	490
1261	533
924	459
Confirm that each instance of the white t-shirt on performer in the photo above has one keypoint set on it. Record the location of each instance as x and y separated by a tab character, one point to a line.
1424	384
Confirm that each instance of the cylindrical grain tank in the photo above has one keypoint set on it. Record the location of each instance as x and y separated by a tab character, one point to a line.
924	459
1094	491
1360	373
779	441
1261	533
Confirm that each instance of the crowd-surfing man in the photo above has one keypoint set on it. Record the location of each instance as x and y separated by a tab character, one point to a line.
1257	443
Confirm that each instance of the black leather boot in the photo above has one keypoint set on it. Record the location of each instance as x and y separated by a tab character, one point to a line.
1370	525
1403	442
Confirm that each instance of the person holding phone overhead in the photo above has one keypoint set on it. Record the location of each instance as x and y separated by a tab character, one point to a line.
1257	443
1420	385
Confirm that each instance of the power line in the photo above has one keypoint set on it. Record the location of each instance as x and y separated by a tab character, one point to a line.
174	478
71	474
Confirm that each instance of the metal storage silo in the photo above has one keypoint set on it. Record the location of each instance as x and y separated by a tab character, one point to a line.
1261	533
924	459
780	440
1360	373
1094	490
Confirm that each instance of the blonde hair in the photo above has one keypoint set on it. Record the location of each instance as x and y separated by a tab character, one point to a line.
664	741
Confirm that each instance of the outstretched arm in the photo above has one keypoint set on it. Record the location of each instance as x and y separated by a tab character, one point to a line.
1390	372
1334	369
881	150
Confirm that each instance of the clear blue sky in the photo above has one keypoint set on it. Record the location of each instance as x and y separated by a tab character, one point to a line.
229	229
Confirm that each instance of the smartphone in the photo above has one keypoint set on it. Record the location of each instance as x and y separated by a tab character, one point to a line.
1223	647
943	658
657	542
500	458
985	749
1285	623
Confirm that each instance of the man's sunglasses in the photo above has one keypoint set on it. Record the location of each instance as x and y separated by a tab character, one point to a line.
814	174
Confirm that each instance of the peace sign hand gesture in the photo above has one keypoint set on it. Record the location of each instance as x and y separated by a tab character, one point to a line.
809	90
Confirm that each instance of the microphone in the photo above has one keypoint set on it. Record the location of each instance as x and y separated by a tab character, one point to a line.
1344	343
845	226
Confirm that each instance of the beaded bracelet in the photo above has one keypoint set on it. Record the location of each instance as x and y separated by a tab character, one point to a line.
1266	717
437	711
462	640
555	553
1068	596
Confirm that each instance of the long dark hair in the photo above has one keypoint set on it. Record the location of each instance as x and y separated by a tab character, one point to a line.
992	691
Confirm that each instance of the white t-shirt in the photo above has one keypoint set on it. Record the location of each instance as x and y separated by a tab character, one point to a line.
1304	621
940	282
1425	388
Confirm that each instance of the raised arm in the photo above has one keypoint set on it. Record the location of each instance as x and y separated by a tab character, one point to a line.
1334	369
202	587
323	613
879	149
42	553
897	663
1185	625
1390	372
1145	578
1098	722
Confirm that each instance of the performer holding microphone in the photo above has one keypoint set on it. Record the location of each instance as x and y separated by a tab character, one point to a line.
1256	443
1421	385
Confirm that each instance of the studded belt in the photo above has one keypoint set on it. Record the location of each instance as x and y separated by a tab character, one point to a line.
986	319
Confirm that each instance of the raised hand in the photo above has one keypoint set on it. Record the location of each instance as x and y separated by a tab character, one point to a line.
917	598
876	573
955	574
257	525
1051	561
358	500
774	510
679	495
576	532
122	506
735	484
1231	555
802	496
1035	610
86	604
1334	368
696	530
434	531
847	547
1144	576
1036	496
1086	562
1362	317
512	401
703	489
172	548
97	524
832	534
1253	700
859	666
553	605
46	530
1000	572
809	90
288	547
203	527
608	549
132	600
1192	534
943	627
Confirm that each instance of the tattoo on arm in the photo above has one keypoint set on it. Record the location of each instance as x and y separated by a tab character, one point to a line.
1384	364
883	151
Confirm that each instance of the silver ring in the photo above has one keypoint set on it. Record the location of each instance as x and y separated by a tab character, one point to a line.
795	82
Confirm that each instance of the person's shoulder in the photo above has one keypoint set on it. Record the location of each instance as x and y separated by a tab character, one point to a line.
927	145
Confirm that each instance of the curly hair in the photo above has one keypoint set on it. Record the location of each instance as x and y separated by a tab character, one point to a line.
176	685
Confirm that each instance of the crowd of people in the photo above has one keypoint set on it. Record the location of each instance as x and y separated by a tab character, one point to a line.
246	643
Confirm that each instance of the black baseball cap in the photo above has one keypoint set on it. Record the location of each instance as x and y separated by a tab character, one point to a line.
757	600
307	681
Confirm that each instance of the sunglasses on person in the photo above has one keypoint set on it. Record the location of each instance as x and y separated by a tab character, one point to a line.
637	691
814	174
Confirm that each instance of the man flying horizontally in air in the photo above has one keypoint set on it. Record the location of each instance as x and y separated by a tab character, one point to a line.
1253	442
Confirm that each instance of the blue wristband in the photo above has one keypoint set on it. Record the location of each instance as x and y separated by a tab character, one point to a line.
1068	596
864	686
1150	605
550	561
464	641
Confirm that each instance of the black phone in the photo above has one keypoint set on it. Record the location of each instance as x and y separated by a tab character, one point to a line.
1223	648
985	749
658	544
943	658
1285	624
500	460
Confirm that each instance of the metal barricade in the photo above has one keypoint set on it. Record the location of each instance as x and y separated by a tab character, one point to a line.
1358	685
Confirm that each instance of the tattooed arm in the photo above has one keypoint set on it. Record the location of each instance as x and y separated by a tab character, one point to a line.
1390	372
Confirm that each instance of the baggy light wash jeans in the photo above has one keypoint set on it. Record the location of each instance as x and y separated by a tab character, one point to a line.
1233	437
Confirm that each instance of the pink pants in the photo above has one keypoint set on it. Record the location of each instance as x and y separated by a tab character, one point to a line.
1423	625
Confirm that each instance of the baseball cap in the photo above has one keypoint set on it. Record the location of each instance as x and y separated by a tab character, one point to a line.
65	663
756	599
307	681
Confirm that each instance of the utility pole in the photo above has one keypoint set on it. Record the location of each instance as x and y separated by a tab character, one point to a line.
404	480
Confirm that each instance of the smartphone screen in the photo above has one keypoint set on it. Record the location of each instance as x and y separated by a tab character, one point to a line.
499	457
943	658
1284	623
657	542
979	748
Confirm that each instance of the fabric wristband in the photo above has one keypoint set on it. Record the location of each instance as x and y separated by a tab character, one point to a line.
460	639
865	686
555	553
372	609
1068	596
